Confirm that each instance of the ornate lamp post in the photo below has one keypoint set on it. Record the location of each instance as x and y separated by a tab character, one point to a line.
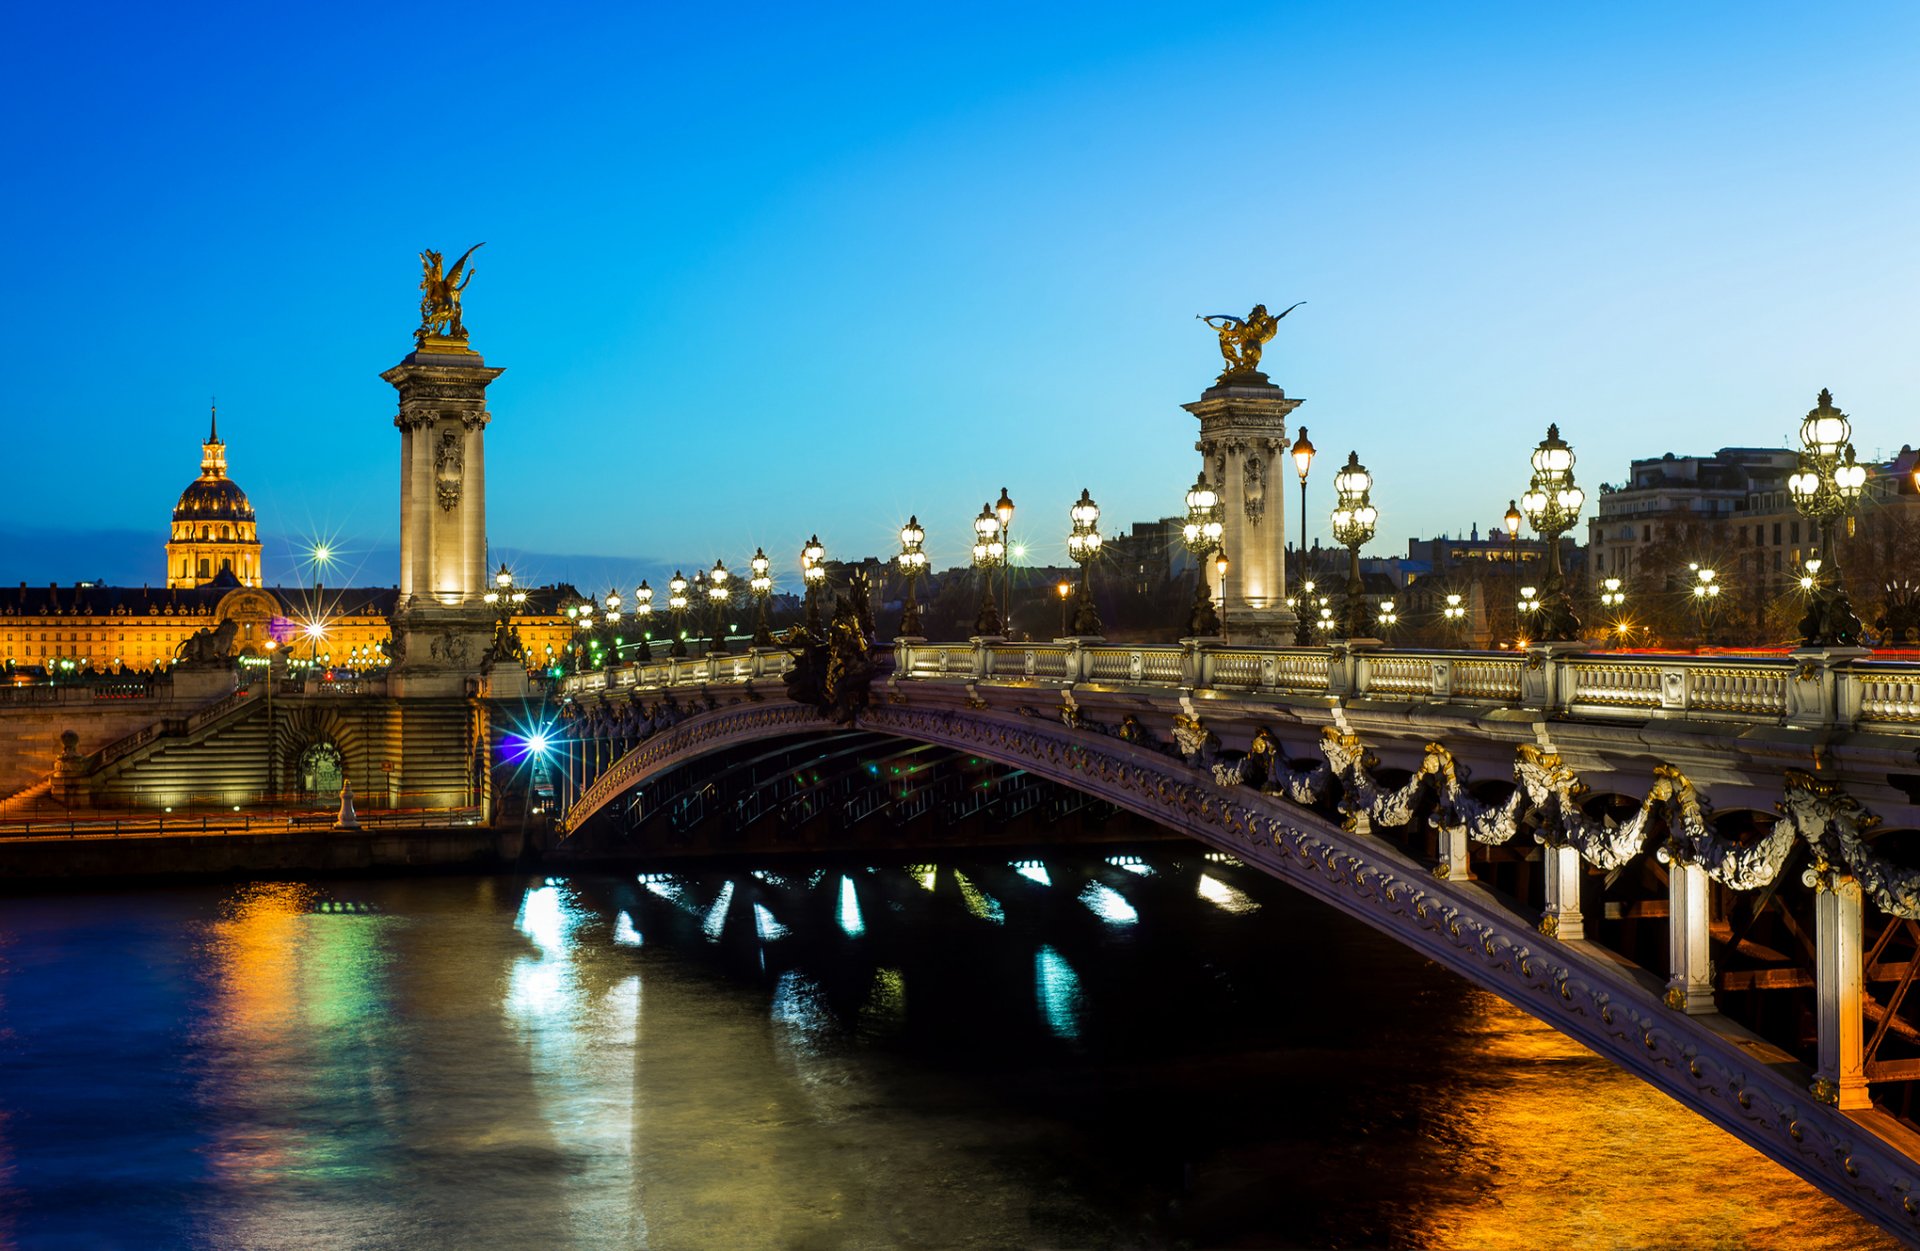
719	598
760	586
1064	589
1386	618
1706	597
677	605
505	599
1202	535
643	618
1552	504
913	565
1353	522
610	615
1614	599
813	577
1083	545
1453	614
1220	568
988	551
1825	490
1003	512
1302	453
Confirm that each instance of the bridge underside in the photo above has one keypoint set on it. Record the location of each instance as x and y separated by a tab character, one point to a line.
944	737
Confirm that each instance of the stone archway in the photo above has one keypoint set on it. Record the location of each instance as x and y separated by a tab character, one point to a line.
322	769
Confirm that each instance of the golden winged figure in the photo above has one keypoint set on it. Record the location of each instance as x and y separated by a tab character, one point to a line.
1242	338
440	295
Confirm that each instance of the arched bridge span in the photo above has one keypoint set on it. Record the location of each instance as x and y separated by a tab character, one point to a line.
1319	827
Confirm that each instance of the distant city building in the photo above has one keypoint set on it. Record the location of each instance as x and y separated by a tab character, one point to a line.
213	576
1677	497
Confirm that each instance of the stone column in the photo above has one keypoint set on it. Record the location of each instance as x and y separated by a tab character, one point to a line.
1841	1077
1689	903
1562	919
1243	445
441	625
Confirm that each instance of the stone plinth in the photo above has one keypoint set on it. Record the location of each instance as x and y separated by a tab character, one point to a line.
1243	446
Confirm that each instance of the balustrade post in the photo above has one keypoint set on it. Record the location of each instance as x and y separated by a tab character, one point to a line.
1193	664
1540	678
1456	853
982	654
1841	1077
1343	677
1690	957
1562	919
1823	692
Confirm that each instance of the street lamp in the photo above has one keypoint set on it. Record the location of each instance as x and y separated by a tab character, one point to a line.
720	597
1386	618
813	576
1220	567
1003	512
1202	534
1552	504
677	605
1454	615
1302	461
505	599
988	551
643	618
1353	523
1064	589
760	586
1083	545
1825	490
1706	594
913	564
1613	598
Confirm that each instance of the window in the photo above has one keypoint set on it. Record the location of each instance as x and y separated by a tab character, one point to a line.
1776	557
1776	543
1794	531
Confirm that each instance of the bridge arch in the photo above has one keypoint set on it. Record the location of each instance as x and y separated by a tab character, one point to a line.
1704	1062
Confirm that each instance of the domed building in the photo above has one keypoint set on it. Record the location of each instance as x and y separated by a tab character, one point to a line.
213	525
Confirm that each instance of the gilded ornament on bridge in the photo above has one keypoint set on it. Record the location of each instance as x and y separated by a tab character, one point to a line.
1243	338
440	297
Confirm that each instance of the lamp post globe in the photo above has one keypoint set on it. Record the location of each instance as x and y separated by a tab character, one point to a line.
913	565
1825	489
1083	545
1354	519
1552	503
989	549
677	606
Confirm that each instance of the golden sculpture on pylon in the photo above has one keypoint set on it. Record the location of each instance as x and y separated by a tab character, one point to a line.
1242	338
440	298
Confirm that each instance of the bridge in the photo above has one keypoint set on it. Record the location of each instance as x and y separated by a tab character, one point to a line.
1691	865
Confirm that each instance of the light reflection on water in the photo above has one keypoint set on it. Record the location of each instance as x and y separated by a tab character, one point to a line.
494	1063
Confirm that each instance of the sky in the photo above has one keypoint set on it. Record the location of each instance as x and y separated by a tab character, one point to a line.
756	272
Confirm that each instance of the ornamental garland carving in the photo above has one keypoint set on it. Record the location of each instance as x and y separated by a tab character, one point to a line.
448	462
1254	470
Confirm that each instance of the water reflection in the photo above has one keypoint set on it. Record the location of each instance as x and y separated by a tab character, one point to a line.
1184	1055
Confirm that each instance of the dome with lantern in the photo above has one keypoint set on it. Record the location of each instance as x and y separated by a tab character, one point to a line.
214	529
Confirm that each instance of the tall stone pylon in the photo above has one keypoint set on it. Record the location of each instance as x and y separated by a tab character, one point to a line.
442	627
1243	447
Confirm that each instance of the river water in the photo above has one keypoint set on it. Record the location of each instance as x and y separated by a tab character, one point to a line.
1160	1050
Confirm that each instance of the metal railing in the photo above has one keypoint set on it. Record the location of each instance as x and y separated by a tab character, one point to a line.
1810	689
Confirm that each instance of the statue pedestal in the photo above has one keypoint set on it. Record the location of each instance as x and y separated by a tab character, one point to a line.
438	651
1243	444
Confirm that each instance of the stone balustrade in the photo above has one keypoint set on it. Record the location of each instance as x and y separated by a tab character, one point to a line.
1840	689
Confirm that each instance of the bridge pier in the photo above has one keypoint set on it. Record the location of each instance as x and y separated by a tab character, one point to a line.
1689	909
1562	919
1841	1077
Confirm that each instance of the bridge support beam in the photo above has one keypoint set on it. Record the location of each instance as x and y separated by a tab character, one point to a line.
1562	918
1689	907
1841	1077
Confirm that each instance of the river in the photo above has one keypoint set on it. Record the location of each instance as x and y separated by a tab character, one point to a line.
1153	1050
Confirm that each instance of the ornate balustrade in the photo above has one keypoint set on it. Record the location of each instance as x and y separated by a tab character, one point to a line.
1811	690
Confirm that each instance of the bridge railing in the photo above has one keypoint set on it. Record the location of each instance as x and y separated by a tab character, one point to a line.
1839	688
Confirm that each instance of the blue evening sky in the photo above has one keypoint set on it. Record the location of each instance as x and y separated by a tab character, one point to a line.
756	272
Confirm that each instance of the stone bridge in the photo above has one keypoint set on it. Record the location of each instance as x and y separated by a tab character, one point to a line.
1696	866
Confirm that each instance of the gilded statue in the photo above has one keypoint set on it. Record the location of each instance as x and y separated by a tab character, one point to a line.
1242	338
440	295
